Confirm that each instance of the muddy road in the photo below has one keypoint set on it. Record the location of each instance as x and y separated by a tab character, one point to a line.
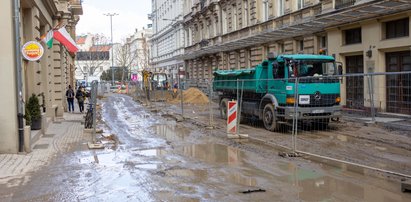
157	159
351	139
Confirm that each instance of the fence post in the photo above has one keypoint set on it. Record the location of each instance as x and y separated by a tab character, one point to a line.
238	114
156	94
239	104
295	118
181	96
210	106
371	94
94	100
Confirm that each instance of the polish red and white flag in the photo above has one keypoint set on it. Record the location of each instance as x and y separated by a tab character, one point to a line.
65	39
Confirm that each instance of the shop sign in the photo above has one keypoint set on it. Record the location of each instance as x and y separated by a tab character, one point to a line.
32	51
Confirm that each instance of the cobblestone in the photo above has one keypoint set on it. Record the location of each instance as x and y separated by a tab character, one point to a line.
70	130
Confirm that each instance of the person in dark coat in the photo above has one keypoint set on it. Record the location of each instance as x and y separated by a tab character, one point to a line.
70	98
80	95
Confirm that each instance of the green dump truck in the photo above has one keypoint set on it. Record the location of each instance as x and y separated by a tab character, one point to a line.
282	85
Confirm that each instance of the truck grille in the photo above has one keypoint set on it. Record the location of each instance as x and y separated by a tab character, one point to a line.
320	100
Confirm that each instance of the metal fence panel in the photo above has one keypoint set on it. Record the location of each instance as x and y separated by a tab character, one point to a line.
372	129
335	117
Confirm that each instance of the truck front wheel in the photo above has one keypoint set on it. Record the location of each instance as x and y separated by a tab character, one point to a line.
270	118
223	108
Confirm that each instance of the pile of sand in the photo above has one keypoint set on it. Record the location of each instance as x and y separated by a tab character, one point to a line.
191	96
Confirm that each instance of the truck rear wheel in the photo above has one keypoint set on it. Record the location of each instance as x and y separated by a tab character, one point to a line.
270	118
223	108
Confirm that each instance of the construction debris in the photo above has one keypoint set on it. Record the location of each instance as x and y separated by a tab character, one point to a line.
191	96
290	154
251	191
405	185
95	145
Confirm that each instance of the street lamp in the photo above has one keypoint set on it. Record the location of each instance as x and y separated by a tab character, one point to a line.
112	54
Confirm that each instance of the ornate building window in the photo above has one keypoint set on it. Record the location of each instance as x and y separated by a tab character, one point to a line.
264	10
300	4
234	18
280	7
224	21
245	14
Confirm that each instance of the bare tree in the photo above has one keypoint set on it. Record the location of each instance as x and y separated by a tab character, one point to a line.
143	53
91	62
125	57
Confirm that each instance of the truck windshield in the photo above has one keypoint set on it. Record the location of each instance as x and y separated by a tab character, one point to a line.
305	68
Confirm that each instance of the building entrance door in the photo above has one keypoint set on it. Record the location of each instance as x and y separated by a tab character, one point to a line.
398	86
355	84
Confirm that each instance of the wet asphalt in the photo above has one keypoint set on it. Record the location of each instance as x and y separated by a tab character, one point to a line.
157	159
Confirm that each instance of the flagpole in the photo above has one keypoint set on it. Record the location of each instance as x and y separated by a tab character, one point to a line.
59	25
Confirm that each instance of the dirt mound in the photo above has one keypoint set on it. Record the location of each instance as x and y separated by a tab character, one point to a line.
192	96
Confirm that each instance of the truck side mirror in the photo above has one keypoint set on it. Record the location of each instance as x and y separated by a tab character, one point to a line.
339	69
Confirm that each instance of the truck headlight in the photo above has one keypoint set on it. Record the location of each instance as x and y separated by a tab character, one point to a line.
290	100
338	100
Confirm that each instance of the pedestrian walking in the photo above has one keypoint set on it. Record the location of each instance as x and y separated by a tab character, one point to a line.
70	98
80	95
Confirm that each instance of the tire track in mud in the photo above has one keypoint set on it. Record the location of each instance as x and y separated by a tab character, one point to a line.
117	113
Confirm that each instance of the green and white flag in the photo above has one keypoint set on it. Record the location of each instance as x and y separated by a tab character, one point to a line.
48	38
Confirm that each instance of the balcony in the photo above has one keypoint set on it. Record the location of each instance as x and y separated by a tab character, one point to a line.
76	7
339	4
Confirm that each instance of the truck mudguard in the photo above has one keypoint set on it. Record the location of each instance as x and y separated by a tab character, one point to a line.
270	97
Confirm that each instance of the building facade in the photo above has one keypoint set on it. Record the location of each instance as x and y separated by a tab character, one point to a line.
365	35
167	42
93	58
49	77
139	50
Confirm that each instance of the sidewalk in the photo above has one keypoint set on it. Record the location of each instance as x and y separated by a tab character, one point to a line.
58	138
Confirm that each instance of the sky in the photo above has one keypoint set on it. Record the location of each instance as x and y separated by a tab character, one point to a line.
132	15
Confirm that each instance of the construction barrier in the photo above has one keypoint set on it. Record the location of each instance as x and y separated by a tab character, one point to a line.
232	117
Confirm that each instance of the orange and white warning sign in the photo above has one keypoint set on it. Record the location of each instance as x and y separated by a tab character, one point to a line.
232	117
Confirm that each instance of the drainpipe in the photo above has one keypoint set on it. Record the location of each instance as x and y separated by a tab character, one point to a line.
19	93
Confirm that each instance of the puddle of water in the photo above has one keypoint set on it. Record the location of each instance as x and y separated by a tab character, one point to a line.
312	184
170	132
147	166
320	186
113	187
168	195
342	138
150	152
196	175
241	179
110	159
380	148
213	153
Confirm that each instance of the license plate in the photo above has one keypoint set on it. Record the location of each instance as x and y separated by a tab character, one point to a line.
317	111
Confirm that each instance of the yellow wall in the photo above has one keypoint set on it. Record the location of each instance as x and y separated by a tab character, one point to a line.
372	38
8	115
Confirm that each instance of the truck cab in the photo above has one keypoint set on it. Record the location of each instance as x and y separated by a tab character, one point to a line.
305	87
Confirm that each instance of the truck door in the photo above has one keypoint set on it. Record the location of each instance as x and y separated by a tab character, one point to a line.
277	85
